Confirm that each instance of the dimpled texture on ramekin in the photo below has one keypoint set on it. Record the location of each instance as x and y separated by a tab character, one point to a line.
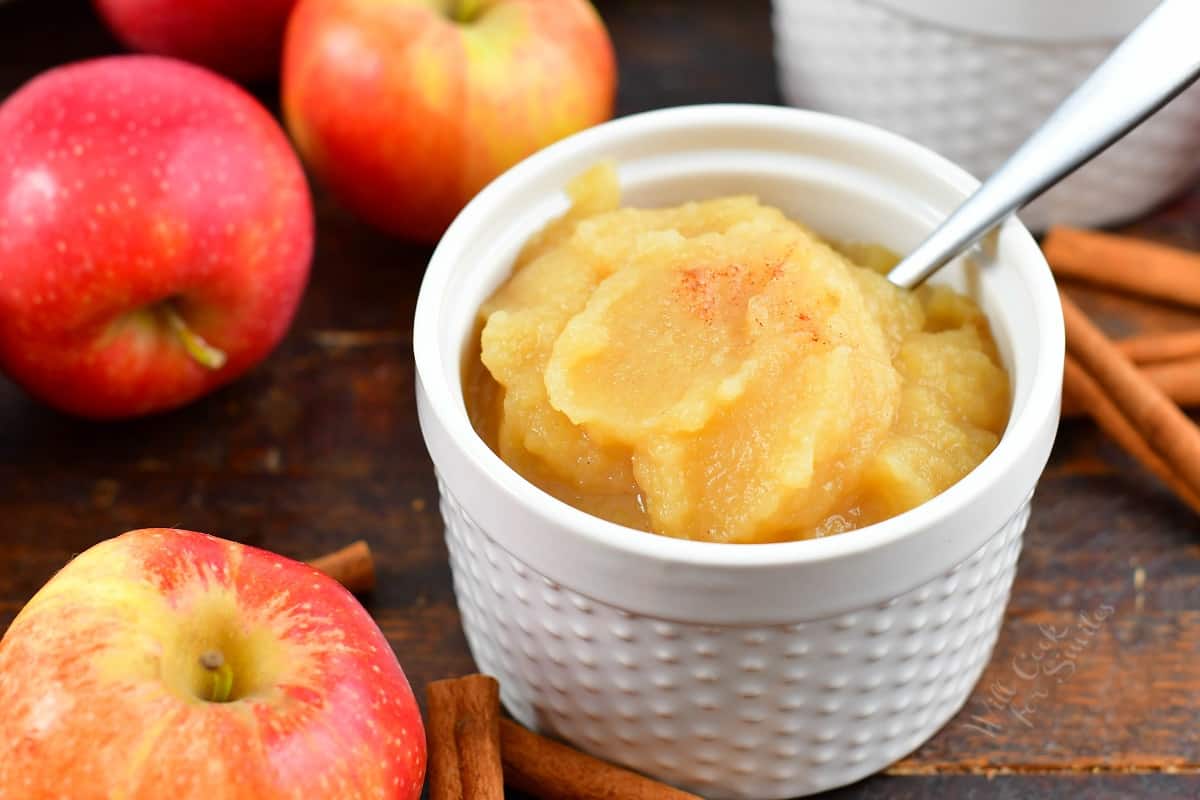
819	703
975	98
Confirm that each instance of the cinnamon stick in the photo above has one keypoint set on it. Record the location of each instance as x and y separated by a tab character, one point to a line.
352	566
1155	348
1167	430
1092	399
1131	265
548	770
1178	380
464	739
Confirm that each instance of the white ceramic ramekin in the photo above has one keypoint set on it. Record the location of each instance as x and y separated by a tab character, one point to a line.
971	79
758	671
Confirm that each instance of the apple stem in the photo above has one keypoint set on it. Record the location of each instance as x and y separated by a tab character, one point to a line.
467	10
204	353
222	675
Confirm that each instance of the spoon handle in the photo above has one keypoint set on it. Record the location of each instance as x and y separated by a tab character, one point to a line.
1152	65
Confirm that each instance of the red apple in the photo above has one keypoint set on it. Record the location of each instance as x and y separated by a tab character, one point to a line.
241	38
155	235
172	664
405	110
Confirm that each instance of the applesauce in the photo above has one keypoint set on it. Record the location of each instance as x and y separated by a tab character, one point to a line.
716	371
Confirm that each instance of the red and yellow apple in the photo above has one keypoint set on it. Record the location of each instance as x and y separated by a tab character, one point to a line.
241	38
172	664
406	108
156	232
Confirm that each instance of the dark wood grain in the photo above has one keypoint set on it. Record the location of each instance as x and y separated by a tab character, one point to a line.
1020	787
320	446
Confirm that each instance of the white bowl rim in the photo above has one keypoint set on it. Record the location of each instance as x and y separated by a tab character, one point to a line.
1026	424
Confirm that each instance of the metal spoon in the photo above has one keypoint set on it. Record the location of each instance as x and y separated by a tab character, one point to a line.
1154	63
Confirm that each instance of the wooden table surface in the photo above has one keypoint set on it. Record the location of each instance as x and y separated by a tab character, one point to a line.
320	445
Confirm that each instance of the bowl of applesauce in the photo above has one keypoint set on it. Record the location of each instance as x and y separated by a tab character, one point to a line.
722	505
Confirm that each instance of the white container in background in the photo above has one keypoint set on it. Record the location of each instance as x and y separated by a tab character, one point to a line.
971	79
749	671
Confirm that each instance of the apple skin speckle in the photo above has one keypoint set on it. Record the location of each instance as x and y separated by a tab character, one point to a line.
126	182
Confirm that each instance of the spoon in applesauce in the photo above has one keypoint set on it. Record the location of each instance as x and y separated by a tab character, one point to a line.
1157	61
